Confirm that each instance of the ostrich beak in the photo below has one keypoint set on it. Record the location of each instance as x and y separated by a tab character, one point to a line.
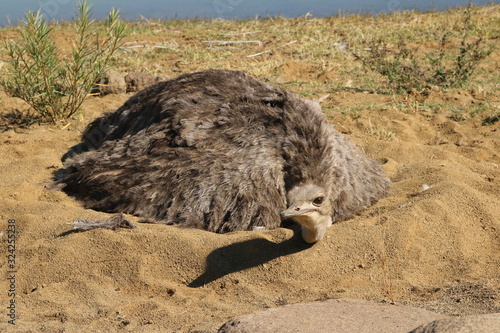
296	210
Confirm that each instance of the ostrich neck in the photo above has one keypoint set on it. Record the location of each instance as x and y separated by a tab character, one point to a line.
313	232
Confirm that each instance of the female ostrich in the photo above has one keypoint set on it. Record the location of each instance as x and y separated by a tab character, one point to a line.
221	151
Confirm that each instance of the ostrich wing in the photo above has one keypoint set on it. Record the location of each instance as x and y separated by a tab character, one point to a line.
187	152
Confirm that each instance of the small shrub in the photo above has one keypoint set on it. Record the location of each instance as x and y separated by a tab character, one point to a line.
446	67
491	119
55	88
458	115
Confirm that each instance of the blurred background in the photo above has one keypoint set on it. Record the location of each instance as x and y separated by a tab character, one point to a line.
11	11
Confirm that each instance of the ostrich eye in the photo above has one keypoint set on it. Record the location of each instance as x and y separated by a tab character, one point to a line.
318	201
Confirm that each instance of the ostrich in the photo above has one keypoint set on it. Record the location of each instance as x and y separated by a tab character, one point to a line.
221	151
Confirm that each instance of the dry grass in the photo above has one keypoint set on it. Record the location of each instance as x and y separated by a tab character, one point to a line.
324	45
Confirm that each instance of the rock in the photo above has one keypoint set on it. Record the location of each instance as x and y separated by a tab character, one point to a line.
112	83
433	88
280	79
488	323
137	81
333	316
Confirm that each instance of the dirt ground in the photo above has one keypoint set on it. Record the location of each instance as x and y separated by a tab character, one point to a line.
434	242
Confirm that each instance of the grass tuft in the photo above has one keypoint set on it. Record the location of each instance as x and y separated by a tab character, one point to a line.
451	65
491	119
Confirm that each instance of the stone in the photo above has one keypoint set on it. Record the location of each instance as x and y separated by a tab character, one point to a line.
136	81
332	316
487	323
112	83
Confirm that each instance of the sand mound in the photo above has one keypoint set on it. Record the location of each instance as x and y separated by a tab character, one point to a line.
433	242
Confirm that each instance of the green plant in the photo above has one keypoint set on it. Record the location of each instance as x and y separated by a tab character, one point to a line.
491	119
446	67
458	115
55	87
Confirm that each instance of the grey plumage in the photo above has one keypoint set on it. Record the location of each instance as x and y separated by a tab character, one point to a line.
221	151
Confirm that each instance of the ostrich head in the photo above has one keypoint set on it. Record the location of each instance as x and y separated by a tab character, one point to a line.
311	208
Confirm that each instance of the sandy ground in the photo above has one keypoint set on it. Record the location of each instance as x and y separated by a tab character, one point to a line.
434	242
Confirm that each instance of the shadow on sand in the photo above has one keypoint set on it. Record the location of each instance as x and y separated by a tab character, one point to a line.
247	254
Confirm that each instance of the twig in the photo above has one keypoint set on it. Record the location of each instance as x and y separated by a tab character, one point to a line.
113	223
136	42
322	98
143	18
267	51
256	54
129	48
225	42
225	48
134	47
488	9
292	42
124	49
242	33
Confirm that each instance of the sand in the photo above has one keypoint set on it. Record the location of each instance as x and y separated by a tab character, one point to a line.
434	242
